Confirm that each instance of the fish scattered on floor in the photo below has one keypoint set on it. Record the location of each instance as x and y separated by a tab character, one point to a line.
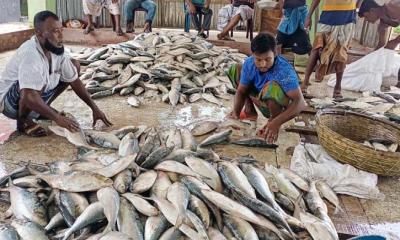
135	187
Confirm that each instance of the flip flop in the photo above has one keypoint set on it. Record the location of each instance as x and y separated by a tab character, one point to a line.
243	116
32	129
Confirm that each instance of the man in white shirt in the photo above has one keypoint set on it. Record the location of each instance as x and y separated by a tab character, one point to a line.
37	74
93	8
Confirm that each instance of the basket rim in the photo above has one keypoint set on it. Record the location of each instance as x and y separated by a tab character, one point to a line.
355	143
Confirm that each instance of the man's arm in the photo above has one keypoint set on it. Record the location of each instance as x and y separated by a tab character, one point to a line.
83	94
308	22
392	44
207	4
192	8
240	99
34	102
383	31
295	107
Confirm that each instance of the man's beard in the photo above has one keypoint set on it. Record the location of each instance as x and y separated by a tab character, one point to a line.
50	47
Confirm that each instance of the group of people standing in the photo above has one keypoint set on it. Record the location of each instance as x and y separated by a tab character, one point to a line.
228	16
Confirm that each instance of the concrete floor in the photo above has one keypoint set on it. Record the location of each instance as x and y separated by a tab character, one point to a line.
383	215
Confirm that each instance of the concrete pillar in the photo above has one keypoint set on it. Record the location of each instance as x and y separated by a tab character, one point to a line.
35	6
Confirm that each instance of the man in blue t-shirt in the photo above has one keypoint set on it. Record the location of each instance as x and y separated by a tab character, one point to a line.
268	81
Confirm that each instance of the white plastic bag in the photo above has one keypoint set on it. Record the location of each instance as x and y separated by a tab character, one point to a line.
313	163
367	73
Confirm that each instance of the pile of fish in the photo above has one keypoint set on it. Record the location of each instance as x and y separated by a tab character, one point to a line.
379	104
172	67
140	183
382	145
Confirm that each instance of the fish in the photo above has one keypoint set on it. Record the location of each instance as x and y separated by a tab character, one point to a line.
142	205
328	193
174	139
28	230
317	228
284	185
161	185
238	210
253	142
110	201
215	234
77	181
128	220
295	179
240	228
259	183
126	91
127	145
314	200
194	97
56	221
102	94
144	182
93	213
198	224
133	101
77	138
7	232
155	227
122	132
116	236
210	98
178	195
206	170
138	91
188	140
216	138
255	204
122	181
156	157
118	166
172	234
237	177
171	214
71	206
176	167
198	207
104	139
173	96
380	147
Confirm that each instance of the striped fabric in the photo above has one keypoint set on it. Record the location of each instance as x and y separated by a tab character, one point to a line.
339	5
338	12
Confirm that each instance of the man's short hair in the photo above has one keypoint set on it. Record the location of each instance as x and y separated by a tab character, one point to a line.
263	43
366	6
40	17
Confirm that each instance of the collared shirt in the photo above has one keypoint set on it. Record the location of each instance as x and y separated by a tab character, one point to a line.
281	72
30	67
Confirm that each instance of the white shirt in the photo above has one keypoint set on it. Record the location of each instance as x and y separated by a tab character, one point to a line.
30	67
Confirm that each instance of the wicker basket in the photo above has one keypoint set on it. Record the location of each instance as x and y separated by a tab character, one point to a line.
342	133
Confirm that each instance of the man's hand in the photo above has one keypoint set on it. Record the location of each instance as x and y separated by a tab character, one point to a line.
192	8
308	23
115	1
99	115
392	44
68	123
270	131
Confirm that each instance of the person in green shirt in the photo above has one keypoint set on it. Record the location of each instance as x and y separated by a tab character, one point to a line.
197	8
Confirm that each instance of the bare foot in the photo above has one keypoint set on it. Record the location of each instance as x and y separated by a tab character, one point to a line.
337	94
119	32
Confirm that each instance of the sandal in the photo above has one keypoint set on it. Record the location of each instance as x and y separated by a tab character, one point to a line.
337	95
119	32
32	129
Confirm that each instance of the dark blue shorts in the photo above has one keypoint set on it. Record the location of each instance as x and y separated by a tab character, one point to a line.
11	101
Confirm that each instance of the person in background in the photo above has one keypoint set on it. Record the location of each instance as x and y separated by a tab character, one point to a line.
268	81
332	41
93	8
291	32
131	5
37	74
388	16
200	7
230	15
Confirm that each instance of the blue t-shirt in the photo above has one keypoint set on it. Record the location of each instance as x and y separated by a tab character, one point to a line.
281	72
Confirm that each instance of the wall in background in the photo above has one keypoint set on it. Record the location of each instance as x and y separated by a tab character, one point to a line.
10	11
